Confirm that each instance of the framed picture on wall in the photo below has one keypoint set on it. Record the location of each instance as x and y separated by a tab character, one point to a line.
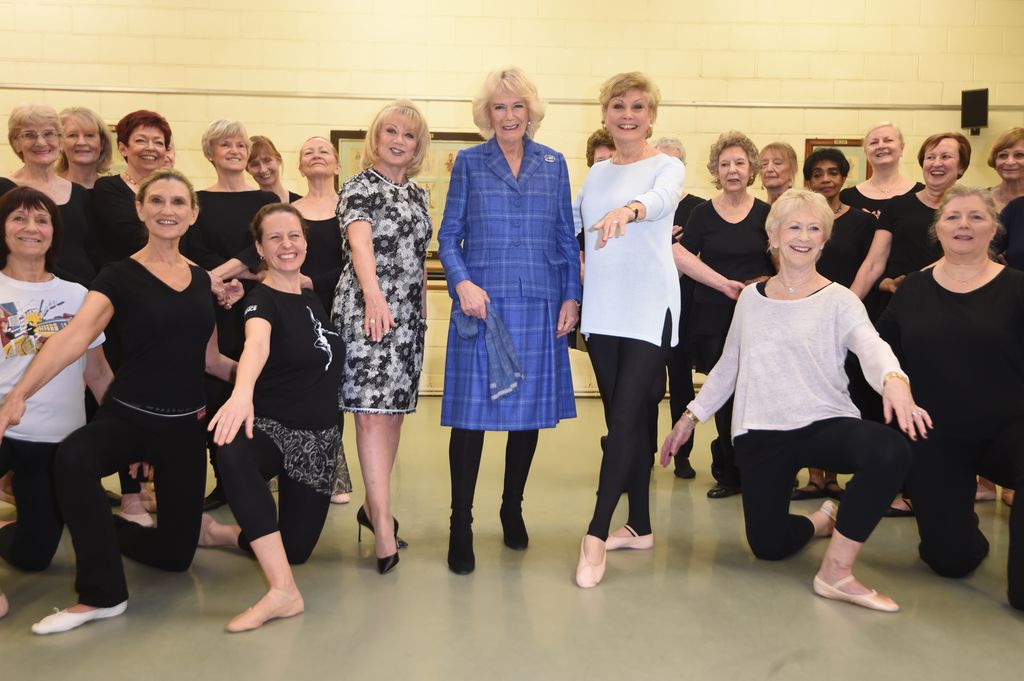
433	177
851	148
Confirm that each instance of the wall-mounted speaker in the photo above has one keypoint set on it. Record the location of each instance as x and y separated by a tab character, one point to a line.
974	110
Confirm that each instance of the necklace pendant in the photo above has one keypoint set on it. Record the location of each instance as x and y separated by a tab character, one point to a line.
791	290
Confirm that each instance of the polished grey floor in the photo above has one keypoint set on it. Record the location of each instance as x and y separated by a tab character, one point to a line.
698	606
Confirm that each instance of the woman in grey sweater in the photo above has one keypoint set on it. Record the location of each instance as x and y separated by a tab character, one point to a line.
784	358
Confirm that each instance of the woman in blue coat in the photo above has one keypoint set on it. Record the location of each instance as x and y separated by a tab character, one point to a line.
512	263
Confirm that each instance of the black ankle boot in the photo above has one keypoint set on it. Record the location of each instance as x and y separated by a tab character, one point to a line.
461	560
514	528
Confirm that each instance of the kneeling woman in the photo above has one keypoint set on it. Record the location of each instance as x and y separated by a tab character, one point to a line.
38	305
285	395
784	358
154	408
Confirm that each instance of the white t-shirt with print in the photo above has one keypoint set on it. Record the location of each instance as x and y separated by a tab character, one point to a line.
31	312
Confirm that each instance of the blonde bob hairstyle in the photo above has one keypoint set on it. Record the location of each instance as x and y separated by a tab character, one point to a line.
1003	142
793	200
402	108
733	138
883	124
511	80
621	83
25	115
221	129
959	191
86	117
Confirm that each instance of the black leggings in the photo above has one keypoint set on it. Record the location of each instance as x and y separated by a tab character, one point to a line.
879	457
723	454
30	542
245	467
464	453
625	369
116	437
942	483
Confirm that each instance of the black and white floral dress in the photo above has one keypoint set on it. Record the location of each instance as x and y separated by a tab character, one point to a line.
383	378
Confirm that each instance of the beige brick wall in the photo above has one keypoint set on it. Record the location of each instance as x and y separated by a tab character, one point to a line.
860	56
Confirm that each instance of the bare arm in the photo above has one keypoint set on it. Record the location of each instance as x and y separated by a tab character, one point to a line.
217	364
692	266
238	409
874	263
98	374
60	350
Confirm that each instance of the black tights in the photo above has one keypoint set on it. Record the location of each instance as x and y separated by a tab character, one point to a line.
878	456
464	453
943	481
625	369
245	467
118	436
30	542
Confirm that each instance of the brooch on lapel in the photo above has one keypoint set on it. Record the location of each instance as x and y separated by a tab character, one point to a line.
548	158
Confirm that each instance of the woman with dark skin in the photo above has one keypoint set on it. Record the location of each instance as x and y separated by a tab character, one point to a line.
825	172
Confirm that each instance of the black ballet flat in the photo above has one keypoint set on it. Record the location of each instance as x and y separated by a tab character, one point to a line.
364	521
811	491
723	491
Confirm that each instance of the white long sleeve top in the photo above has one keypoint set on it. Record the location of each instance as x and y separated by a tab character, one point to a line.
784	360
632	281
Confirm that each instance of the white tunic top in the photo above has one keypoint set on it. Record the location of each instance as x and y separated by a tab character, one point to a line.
631	282
784	360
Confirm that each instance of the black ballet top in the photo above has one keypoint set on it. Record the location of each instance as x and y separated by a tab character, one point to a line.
324	258
909	220
962	351
852	197
119	230
73	259
845	251
298	386
163	335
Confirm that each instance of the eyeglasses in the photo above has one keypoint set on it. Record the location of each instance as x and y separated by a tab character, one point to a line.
32	135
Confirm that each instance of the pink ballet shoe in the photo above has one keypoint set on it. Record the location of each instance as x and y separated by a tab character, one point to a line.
589	575
275	604
634	541
871	600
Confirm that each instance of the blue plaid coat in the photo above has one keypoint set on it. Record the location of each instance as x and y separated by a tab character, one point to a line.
513	237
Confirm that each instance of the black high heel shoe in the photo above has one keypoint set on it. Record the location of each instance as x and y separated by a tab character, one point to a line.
514	529
387	563
364	521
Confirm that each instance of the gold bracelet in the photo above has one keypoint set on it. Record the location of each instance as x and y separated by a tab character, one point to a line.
895	374
690	415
